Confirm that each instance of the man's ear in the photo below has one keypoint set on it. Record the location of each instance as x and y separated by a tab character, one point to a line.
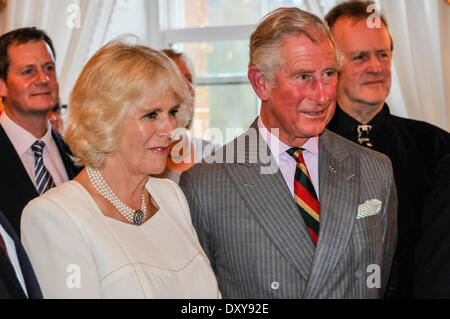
259	82
3	89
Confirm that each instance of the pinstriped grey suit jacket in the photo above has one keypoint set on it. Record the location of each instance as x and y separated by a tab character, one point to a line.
256	239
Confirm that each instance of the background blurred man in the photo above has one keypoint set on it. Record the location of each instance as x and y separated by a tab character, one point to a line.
362	116
34	158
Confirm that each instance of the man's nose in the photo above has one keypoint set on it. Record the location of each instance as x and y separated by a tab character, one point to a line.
320	93
374	65
42	77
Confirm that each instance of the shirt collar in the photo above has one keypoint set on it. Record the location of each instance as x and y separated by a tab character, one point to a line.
380	119
21	139
348	123
311	145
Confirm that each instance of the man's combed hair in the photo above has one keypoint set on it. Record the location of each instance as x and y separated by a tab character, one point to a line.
20	36
266	39
355	9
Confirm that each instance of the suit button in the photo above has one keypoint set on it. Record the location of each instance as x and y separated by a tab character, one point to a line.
275	285
358	274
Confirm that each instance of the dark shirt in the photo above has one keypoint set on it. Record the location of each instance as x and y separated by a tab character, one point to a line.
414	148
432	268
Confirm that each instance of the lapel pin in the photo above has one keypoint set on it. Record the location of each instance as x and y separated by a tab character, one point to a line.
332	169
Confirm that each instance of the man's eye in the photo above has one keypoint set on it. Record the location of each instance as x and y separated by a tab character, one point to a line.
27	72
304	77
49	68
330	73
358	57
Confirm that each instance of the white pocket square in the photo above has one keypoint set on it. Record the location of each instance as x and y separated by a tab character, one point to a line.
369	208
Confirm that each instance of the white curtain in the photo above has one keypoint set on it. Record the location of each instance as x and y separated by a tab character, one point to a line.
421	33
320	7
73	44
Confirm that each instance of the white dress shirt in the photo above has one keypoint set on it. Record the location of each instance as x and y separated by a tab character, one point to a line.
287	163
11	250
22	141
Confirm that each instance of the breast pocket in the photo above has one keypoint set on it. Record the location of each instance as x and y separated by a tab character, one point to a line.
367	236
370	223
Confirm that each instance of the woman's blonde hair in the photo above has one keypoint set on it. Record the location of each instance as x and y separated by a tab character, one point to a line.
109	84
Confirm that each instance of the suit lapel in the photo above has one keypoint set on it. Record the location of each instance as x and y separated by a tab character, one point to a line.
65	153
8	279
269	200
339	192
26	268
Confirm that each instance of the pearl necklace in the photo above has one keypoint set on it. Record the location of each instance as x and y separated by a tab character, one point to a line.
103	188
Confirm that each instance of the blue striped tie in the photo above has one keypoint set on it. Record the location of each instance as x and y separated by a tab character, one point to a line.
44	180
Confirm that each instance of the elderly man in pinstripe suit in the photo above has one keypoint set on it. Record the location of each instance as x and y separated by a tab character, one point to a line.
289	209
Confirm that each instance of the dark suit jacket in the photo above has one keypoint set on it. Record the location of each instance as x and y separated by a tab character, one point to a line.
9	285
16	187
432	259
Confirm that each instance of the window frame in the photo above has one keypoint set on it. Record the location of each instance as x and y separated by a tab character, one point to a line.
164	37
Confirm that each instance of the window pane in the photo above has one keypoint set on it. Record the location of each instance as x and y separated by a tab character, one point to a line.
220	107
128	16
203	13
216	57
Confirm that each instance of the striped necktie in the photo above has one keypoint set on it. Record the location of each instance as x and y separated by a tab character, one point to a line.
44	180
305	195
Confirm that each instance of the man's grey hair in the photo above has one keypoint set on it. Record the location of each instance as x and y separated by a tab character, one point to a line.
266	40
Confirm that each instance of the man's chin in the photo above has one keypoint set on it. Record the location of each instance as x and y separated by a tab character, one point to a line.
374	97
41	109
313	132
